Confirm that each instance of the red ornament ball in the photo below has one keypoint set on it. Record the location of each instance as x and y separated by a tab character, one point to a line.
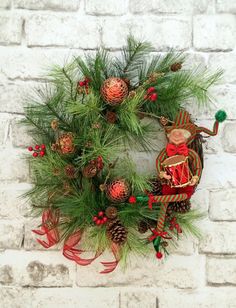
159	255
118	191
114	90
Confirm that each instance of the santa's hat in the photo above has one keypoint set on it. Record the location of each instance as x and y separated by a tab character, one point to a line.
183	121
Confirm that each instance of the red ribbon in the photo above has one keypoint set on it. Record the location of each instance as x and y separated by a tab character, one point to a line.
162	234
72	253
50	221
172	149
111	266
150	201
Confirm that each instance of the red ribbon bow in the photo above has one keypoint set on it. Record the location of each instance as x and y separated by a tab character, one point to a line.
162	234
172	149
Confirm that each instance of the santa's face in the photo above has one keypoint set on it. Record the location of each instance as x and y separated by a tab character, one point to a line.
177	136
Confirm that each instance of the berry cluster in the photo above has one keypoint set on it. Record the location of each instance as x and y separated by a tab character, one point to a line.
84	84
151	94
38	150
175	225
100	219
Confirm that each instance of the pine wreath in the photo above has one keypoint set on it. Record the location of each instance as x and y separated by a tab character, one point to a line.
91	112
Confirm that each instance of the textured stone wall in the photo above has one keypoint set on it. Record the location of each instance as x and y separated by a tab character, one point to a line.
35	33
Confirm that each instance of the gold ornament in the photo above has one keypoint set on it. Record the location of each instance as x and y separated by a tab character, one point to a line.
114	90
118	191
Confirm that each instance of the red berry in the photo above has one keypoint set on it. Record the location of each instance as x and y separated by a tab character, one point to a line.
150	90
98	222
101	213
41	153
81	83
132	199
37	147
104	220
30	149
95	218
153	97
35	154
43	147
159	255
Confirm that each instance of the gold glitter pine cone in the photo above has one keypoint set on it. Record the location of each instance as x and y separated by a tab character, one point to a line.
65	143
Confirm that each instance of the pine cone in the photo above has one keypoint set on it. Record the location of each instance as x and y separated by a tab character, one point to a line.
111	117
116	231
176	67
65	143
156	186
181	206
70	171
89	171
54	124
111	212
144	225
164	121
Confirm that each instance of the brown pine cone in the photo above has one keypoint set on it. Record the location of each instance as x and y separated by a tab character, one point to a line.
176	67
156	186
70	171
89	171
164	121
116	231
142	227
181	206
54	124
111	117
111	212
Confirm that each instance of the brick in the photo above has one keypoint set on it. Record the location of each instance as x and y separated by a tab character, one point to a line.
228	139
11	234
225	61
57	5
62	30
175	271
13	96
225	99
169	6
226	6
5	4
222	205
212	32
221	271
219	171
4	128
218	238
15	297
106	7
200	199
41	269
138	298
207	297
11	205
76	297
19	134
27	63
6	275
14	168
10	29
118	29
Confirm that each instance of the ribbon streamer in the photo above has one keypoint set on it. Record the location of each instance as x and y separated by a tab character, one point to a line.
50	221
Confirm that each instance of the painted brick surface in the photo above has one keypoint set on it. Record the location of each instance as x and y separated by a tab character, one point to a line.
34	34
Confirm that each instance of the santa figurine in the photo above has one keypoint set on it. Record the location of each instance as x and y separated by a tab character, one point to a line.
178	165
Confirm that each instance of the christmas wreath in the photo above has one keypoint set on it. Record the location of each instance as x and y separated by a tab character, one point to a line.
91	114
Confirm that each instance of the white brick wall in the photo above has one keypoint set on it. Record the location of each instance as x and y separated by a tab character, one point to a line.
34	34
